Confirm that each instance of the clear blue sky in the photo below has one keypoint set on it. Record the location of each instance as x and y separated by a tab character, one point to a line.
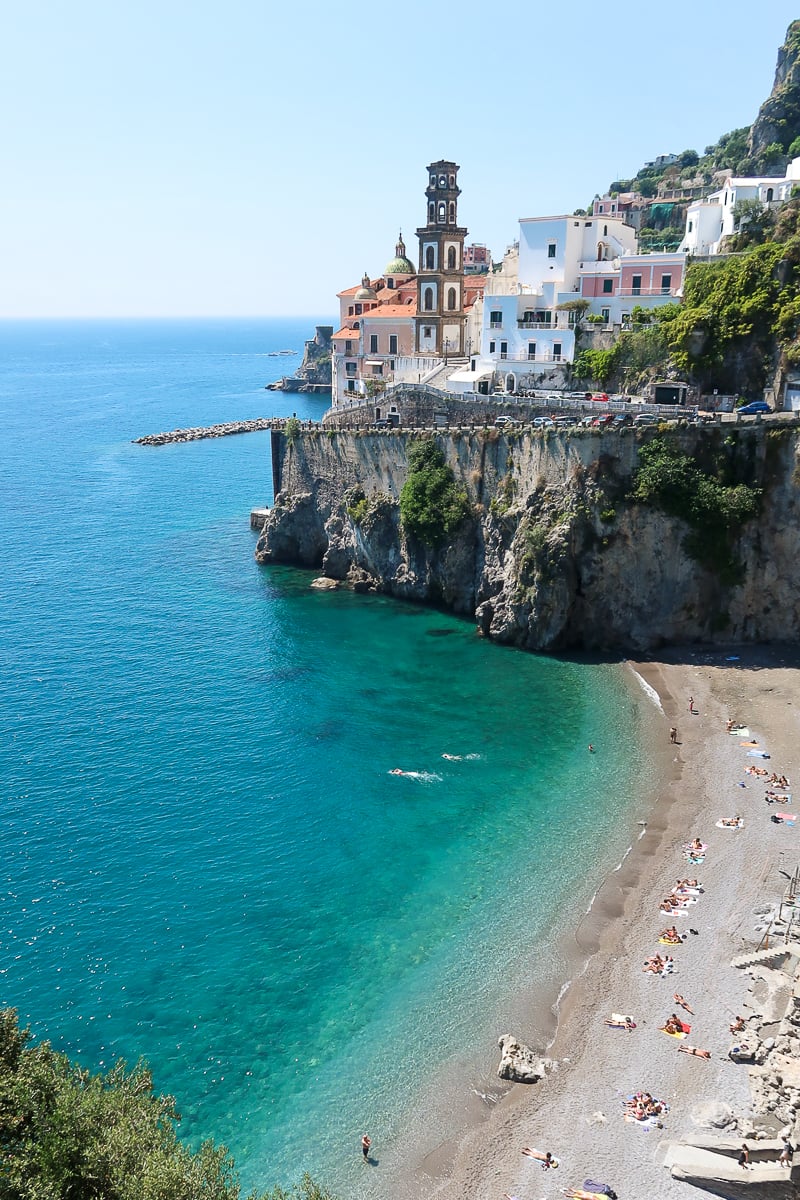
245	158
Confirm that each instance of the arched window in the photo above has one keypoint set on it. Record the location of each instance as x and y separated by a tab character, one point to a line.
770	194
605	231
452	181
430	261
451	299
427	301
599	251
451	258
431	213
442	211
452	212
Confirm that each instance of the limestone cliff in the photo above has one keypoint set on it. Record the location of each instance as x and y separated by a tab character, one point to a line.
778	120
555	554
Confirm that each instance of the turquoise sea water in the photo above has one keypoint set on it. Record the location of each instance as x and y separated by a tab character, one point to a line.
206	859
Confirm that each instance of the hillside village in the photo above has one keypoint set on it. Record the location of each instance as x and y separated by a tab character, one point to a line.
616	296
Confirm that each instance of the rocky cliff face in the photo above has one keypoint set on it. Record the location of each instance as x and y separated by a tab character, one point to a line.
554	555
778	120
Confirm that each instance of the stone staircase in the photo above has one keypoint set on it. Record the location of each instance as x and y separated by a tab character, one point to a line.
767	956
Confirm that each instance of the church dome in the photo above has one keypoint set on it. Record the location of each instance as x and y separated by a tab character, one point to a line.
400	265
365	292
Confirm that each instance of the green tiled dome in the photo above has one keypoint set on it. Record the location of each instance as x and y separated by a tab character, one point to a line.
399	265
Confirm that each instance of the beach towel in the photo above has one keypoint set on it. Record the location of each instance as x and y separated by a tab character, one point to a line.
600	1189
757	754
740	731
750	743
684	1030
622	1018
726	824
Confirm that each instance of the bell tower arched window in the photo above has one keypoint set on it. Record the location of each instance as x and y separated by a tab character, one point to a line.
452	217
427	300
442	212
431	213
451	299
451	258
429	259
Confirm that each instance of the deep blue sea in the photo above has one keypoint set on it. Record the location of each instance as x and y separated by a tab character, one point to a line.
206	860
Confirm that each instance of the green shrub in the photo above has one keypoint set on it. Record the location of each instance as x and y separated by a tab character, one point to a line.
432	505
608	515
671	481
291	428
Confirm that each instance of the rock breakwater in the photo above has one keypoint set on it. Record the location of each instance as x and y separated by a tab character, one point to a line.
197	433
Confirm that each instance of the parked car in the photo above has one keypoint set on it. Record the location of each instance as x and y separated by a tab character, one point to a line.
564	422
755	406
503	420
543	422
603	420
644	419
600	397
622	419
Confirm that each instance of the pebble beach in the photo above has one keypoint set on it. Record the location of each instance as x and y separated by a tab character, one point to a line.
576	1113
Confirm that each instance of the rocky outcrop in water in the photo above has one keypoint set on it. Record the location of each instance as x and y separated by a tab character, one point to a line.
555	555
315	372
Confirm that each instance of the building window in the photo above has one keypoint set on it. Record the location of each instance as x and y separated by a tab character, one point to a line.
377	368
427	302
431	213
496	319
442	212
350	311
452	181
666	284
390	283
491	347
350	368
451	258
452	217
770	194
504	349
551	250
451	299
531	349
691	227
393	343
351	385
605	313
613	208
605	231
430	258
391	364
427	331
557	351
608	287
636	285
359	309
373	343
348	347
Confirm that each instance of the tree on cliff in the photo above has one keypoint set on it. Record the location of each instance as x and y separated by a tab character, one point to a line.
432	505
66	1134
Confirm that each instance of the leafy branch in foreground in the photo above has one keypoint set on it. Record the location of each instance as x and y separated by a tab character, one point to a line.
67	1133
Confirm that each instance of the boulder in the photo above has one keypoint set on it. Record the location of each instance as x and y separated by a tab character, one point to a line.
713	1115
519	1063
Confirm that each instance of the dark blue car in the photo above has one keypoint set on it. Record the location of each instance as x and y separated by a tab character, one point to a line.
755	406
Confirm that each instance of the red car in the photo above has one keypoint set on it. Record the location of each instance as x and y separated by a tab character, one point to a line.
600	397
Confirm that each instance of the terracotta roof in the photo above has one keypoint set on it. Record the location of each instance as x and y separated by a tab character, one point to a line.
390	312
351	291
352	334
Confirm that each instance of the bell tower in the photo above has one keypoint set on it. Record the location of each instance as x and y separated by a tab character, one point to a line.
440	320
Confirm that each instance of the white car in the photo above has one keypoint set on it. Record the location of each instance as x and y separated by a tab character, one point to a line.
543	422
504	420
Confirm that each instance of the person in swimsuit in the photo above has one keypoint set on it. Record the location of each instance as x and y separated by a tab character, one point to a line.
366	1142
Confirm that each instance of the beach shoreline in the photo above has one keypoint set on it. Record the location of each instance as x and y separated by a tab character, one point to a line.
576	1112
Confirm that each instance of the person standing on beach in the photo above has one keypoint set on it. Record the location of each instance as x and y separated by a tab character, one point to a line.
673	736
366	1142
691	704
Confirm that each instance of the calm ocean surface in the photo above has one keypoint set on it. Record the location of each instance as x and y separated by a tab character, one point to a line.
206	861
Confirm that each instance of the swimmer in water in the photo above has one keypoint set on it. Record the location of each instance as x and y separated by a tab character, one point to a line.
396	771
591	748
452	757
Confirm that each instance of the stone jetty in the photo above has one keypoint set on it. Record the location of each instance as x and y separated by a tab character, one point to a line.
196	434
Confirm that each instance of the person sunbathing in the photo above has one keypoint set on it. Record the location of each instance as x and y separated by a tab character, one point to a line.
738	1025
625	1023
672	1024
678	998
546	1159
696	845
687	883
671	932
693	1050
655	964
731	822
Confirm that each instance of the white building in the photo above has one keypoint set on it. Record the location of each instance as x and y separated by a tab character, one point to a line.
525	331
708	221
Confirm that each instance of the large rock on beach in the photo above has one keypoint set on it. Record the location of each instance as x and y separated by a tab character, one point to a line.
519	1063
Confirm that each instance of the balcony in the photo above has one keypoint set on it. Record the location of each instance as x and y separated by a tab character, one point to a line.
532	358
640	291
524	323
